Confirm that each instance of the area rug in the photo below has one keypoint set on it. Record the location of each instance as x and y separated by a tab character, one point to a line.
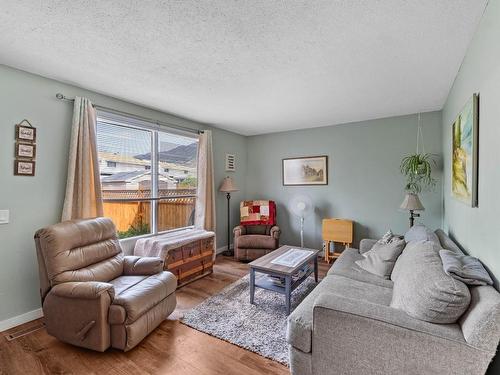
260	328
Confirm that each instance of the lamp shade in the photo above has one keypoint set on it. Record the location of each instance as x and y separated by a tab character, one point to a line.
412	203
227	185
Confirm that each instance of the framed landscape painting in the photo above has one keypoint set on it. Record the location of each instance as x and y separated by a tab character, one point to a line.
465	139
311	170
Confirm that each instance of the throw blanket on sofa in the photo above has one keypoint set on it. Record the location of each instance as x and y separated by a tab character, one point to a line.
257	213
465	268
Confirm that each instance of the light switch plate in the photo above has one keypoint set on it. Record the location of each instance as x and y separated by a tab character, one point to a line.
4	216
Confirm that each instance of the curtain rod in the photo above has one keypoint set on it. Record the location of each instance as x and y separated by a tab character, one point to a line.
157	122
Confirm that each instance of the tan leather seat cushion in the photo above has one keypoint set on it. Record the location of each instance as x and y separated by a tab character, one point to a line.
256	241
122	283
134	296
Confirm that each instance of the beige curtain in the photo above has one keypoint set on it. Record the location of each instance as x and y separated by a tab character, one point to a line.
83	186
205	202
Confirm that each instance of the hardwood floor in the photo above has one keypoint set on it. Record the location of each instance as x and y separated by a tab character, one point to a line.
172	348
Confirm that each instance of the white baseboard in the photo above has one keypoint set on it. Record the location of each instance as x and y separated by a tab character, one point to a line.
20	319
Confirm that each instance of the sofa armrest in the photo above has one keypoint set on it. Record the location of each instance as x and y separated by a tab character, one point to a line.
366	244
275	232
372	338
239	230
135	265
83	290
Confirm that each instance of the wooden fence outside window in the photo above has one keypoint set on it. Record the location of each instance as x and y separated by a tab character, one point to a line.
172	212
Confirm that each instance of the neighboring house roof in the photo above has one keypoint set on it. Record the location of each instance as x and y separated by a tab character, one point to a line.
135	175
120	158
123	176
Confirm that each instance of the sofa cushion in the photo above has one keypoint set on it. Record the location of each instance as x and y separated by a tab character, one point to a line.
381	258
299	330
346	266
423	290
138	297
256	241
398	269
446	242
420	232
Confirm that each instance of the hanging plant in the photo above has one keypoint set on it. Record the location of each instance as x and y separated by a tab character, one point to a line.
417	168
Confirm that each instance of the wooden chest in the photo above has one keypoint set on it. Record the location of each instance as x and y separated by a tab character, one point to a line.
191	261
188	254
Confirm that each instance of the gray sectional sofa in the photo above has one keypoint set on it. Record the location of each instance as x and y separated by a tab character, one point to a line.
347	326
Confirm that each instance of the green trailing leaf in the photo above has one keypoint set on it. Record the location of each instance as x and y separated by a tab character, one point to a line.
417	169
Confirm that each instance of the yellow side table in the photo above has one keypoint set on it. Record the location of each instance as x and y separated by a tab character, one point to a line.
337	230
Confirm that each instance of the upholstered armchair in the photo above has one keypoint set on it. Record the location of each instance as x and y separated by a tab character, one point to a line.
254	241
257	234
92	295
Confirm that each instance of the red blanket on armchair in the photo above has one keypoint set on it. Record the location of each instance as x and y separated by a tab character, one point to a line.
258	213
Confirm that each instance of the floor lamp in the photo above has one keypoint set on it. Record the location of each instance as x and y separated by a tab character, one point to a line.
228	187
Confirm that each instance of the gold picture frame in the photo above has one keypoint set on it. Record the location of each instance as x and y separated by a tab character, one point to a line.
302	171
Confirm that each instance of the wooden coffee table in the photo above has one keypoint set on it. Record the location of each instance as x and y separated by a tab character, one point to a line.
264	265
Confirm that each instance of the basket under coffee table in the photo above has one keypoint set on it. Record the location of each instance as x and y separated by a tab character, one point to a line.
264	265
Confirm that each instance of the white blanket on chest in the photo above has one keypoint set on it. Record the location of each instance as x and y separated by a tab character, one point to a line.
159	246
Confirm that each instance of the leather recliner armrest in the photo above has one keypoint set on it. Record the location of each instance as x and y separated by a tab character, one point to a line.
77	313
83	290
142	266
275	232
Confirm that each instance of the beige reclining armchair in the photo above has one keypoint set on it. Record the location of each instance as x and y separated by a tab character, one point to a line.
92	295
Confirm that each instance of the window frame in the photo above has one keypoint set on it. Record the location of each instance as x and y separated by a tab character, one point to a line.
130	122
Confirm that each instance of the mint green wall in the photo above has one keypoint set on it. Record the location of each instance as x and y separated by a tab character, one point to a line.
364	180
477	229
35	202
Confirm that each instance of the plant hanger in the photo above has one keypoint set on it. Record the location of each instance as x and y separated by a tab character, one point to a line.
417	168
420	135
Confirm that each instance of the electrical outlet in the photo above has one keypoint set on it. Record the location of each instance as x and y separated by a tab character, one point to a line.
4	216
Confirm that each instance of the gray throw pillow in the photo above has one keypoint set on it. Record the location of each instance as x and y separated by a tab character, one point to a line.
465	268
420	232
423	290
381	258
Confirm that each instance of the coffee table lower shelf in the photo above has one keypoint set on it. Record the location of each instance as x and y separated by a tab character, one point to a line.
265	283
290	284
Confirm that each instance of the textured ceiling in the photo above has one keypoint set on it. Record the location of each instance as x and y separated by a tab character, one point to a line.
249	66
